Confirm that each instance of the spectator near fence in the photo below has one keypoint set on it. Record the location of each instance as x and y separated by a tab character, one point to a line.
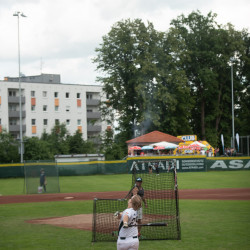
43	181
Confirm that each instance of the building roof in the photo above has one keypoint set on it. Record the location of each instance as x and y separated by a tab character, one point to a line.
155	136
43	78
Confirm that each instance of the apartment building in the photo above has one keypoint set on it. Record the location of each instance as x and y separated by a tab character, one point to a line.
45	102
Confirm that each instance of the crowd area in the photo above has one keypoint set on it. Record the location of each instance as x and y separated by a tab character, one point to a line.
209	152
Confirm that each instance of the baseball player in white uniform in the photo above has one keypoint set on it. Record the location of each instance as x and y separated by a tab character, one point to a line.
128	231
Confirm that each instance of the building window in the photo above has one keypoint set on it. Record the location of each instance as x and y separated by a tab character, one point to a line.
13	107
89	110
44	107
12	93
57	121
68	122
44	93
79	103
89	96
79	122
33	101
33	129
78	95
33	122
45	122
56	108
13	121
33	107
55	94
67	108
33	93
67	95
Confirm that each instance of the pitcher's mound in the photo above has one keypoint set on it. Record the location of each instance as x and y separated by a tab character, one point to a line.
80	221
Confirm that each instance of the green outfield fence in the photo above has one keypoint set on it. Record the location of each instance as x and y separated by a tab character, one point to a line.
183	164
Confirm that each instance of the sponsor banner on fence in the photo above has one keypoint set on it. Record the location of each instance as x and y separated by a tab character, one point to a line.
165	164
228	164
192	164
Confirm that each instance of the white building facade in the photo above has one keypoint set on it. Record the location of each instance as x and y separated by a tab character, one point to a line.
46	103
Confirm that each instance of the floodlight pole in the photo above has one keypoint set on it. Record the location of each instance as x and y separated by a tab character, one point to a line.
232	86
18	14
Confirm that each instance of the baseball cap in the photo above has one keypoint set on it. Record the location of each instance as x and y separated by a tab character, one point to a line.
139	179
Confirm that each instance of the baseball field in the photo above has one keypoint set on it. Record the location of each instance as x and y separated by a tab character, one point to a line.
209	219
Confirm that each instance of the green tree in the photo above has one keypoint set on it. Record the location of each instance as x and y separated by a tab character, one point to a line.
142	79
242	119
210	47
173	93
78	146
112	150
58	139
37	149
8	148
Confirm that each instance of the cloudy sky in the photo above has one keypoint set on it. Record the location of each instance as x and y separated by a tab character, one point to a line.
60	36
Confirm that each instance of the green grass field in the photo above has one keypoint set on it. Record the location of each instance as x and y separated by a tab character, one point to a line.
204	224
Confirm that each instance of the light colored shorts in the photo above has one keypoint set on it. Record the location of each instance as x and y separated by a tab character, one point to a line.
139	213
129	243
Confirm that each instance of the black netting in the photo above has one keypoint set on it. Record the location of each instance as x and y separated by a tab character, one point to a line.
105	225
32	172
161	194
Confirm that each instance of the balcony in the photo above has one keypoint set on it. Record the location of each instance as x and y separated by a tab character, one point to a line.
16	128
92	102
95	140
94	128
93	115
15	99
16	114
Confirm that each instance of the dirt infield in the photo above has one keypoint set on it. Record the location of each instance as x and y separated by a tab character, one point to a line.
196	194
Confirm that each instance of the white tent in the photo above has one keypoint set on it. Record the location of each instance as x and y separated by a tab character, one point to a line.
198	143
164	144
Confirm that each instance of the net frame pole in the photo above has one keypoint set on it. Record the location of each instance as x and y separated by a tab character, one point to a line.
57	172
94	221
177	205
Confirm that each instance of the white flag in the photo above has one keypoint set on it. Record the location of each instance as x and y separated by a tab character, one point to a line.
238	141
222	142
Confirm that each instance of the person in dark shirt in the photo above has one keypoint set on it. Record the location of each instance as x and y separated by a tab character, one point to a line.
150	170
43	181
138	190
156	168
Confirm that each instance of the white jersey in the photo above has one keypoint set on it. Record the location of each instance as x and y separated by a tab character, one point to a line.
132	218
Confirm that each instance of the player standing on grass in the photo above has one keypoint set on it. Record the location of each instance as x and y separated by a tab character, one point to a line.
128	231
43	181
138	189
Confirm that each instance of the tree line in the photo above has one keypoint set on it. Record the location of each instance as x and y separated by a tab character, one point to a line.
178	81
59	141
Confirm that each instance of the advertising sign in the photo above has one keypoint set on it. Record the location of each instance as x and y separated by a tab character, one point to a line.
164	165
188	137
